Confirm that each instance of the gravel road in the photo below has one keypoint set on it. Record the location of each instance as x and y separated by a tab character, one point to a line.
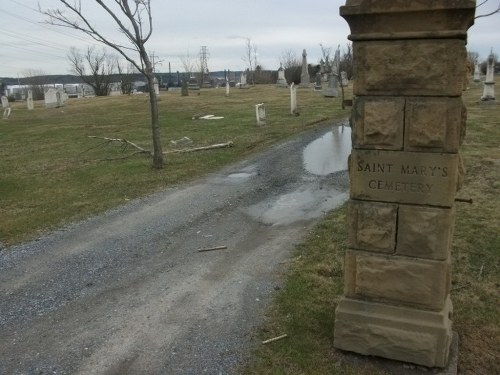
128	292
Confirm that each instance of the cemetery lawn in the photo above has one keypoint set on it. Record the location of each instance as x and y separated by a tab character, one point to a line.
313	282
52	174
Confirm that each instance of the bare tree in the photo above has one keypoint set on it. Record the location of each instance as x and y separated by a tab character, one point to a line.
189	63
250	57
36	81
94	67
497	10
346	61
292	65
135	21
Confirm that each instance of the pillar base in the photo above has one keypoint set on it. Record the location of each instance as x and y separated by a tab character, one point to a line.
410	335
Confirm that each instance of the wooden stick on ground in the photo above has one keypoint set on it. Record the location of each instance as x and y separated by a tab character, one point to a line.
211	147
212	248
275	339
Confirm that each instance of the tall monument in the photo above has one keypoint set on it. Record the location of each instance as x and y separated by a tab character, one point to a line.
489	81
408	121
304	76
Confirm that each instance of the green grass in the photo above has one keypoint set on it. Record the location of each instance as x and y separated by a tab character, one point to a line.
51	173
313	283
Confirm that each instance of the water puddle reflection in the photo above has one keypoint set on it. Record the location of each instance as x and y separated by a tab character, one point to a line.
329	153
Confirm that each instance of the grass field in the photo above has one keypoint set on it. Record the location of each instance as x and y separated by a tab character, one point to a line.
313	283
52	173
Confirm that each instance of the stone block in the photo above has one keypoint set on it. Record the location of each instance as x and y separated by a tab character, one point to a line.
400	333
397	280
409	67
373	20
424	232
404	177
433	124
372	226
378	122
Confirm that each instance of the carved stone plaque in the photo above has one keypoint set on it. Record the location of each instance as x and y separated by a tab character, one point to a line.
404	177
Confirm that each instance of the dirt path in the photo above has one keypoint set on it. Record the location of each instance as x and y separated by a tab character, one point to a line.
128	292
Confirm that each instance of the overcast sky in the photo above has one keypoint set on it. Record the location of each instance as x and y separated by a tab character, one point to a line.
182	27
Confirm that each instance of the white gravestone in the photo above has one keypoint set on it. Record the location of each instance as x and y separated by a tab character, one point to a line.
260	112
489	82
50	98
333	84
6	108
281	77
227	88
243	79
477	72
343	79
29	101
293	100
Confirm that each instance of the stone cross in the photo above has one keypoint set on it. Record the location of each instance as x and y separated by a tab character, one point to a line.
489	82
293	100
304	76
29	101
407	125
260	112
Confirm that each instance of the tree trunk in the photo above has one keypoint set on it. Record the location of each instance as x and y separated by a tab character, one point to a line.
155	124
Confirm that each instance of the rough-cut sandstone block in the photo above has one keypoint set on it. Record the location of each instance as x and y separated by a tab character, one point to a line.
404	334
403	19
404	177
372	226
418	68
433	124
424	232
398	280
378	122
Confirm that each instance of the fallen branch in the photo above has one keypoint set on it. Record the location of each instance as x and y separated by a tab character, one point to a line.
125	143
212	248
211	147
274	339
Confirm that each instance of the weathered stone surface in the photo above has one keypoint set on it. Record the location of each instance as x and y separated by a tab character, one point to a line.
433	124
417	336
402	19
372	226
418	68
404	177
378	122
397	280
424	232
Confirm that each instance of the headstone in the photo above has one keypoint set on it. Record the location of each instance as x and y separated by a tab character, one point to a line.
489	82
156	86
52	98
260	112
344	81
6	107
332	89
5	102
243	79
477	72
29	101
318	86
184	88
304	76
281	77
293	100
227	87
408	123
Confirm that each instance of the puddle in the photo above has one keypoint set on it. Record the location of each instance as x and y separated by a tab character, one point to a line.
303	204
329	153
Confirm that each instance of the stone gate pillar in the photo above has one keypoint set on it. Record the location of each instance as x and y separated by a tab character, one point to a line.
408	121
